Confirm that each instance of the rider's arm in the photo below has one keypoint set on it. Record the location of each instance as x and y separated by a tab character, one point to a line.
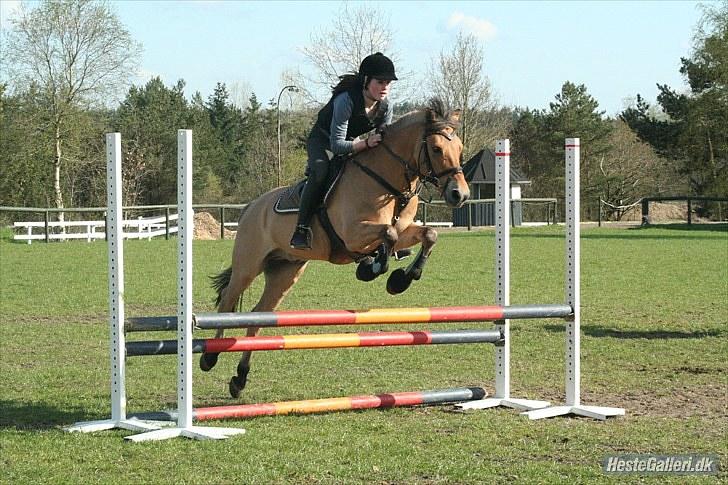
388	115
343	107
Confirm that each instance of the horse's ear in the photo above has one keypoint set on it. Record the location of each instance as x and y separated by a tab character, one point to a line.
430	115
455	116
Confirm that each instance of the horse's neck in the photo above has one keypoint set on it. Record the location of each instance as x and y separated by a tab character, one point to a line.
403	143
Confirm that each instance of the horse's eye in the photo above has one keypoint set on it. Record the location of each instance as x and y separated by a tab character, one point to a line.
437	150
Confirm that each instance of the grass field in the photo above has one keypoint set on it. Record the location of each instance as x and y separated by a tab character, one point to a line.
655	341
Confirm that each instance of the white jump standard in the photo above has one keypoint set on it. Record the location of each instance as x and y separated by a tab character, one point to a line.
573	297
541	409
502	289
184	427
116	301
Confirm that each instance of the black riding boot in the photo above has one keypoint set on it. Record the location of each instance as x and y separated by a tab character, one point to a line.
309	201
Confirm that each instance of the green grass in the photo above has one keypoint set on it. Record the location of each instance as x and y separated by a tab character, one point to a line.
654	324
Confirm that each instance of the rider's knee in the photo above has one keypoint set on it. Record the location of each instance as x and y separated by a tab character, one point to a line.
318	169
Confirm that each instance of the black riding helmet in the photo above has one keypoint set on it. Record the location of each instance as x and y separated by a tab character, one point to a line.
378	66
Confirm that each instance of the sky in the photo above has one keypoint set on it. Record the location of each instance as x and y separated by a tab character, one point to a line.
617	49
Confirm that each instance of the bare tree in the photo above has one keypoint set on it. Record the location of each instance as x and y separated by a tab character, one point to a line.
339	49
629	170
77	53
457	78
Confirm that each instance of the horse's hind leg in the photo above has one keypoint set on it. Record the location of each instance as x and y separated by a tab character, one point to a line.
239	281
280	276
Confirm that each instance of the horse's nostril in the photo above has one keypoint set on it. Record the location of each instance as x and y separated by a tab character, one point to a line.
455	194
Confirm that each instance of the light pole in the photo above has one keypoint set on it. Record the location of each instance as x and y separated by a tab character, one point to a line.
294	89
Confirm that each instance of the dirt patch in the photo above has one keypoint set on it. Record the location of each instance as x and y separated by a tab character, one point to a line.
207	227
707	401
679	402
662	212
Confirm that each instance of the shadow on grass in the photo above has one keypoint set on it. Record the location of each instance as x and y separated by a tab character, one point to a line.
599	331
37	416
717	227
681	231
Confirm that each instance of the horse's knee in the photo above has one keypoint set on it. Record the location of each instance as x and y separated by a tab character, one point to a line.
430	236
390	236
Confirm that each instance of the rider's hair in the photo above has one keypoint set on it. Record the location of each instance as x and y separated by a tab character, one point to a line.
347	82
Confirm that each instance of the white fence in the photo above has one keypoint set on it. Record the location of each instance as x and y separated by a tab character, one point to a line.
140	228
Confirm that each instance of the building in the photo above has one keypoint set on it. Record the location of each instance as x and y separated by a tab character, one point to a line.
479	171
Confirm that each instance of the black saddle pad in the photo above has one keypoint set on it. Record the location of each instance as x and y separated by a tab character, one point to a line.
289	200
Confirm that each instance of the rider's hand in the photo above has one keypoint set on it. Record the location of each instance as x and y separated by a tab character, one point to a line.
373	140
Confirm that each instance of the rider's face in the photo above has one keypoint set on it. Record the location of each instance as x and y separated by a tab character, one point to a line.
378	89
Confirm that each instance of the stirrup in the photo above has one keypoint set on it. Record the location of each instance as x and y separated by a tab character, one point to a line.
301	237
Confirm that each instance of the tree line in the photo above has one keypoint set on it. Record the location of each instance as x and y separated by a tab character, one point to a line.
63	65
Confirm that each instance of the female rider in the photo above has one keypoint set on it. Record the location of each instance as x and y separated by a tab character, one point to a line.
357	106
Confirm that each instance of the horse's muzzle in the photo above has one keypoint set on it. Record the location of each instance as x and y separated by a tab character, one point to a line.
454	195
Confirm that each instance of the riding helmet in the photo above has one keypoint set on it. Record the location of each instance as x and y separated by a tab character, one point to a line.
378	66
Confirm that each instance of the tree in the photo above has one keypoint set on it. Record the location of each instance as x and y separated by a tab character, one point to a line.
630	170
339	49
695	133
24	181
147	118
77	52
538	144
457	77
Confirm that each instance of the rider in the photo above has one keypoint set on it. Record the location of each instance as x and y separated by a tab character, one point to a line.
357	106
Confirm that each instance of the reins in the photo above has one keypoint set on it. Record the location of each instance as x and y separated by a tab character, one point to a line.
403	197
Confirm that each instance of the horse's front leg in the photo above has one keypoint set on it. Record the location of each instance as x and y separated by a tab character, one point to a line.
401	279
364	239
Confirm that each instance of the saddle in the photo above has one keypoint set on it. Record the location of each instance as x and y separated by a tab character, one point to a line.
290	199
288	203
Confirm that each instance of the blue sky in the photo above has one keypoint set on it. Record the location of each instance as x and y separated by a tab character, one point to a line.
617	49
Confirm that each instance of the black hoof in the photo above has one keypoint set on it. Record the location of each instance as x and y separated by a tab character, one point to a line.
398	282
234	387
208	361
364	272
237	383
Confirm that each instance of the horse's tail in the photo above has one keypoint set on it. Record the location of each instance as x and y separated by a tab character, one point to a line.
221	281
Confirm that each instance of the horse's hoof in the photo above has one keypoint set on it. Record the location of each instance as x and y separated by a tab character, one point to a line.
237	383
398	282
365	272
234	388
415	273
208	361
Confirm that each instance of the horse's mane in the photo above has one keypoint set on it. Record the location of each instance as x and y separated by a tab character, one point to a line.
435	116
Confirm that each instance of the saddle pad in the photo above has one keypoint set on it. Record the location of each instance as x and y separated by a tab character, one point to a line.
290	199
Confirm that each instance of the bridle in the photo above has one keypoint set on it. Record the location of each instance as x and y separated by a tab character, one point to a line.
431	176
410	174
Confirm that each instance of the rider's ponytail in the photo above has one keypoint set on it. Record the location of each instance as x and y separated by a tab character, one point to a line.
347	82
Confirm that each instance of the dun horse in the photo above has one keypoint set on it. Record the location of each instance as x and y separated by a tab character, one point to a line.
368	215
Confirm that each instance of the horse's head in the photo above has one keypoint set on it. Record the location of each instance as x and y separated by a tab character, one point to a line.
443	152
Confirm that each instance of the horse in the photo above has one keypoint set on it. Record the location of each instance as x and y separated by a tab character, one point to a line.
367	216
